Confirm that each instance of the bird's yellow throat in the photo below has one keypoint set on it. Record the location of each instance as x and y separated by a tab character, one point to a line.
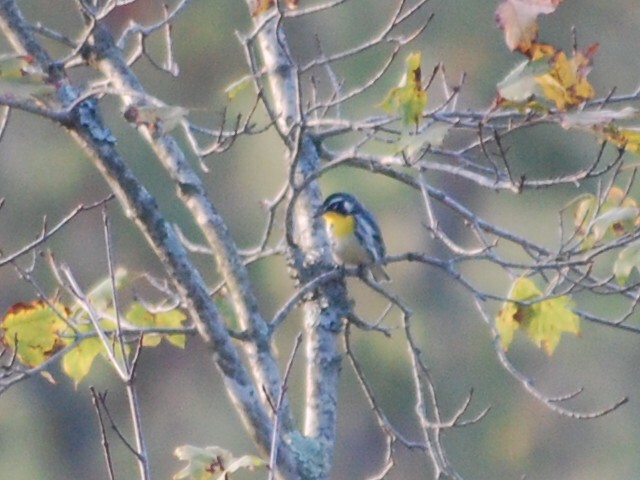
341	225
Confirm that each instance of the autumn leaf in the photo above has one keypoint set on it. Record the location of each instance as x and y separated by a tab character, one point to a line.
77	363
616	215
550	79
35	331
566	84
625	138
520	87
409	98
38	329
20	77
627	260
517	19
549	320
608	126
543	321
18	66
140	316
212	463
511	314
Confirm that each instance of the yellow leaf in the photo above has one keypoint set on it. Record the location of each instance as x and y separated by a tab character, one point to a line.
35	331
626	138
511	315
543	321
506	324
77	363
540	50
565	84
523	290
409	98
140	316
548	320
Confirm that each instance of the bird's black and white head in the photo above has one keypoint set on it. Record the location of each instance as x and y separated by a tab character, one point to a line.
342	203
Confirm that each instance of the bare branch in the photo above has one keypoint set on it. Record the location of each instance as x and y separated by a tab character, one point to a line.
529	386
103	434
276	439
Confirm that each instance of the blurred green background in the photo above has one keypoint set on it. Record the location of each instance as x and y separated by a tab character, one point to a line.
51	432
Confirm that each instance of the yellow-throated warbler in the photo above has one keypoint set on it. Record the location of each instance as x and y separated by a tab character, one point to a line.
354	234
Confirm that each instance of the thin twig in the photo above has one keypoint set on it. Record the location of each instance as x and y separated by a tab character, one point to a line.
103	434
114	426
46	234
275	439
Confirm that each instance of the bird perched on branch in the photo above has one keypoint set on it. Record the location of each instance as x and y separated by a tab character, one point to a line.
354	234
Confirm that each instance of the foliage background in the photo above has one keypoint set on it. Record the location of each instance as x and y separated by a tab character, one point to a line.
51	432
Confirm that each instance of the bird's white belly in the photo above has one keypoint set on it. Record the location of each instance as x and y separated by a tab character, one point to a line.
347	250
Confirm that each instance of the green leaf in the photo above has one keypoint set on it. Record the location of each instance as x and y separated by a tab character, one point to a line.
101	294
618	218
628	259
524	289
409	98
142	317
618	214
520	85
542	321
212	463
511	314
549	319
76	364
506	324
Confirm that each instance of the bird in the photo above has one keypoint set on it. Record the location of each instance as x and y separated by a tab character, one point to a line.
354	234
